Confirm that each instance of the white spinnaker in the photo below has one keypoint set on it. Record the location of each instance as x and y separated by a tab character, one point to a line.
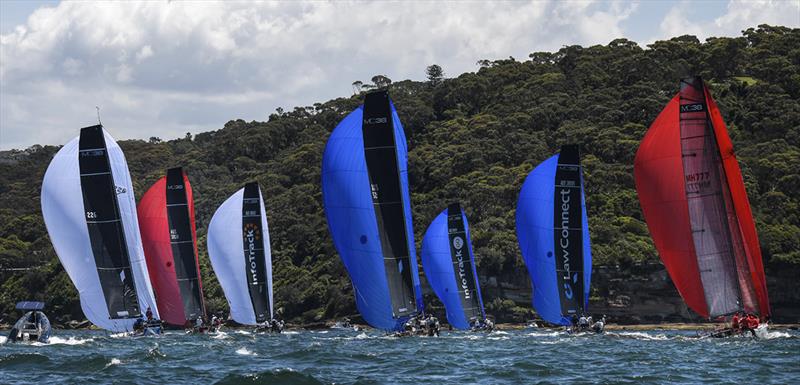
226	251
63	212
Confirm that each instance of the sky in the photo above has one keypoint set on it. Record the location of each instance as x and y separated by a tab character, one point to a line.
165	68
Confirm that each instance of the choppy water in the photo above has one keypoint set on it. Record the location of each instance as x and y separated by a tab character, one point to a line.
347	357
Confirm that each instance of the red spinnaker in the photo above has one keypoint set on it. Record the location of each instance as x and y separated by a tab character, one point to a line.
690	225
176	295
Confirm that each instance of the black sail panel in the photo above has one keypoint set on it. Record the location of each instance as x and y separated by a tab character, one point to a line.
380	151
253	241
104	223
462	263
568	231
182	243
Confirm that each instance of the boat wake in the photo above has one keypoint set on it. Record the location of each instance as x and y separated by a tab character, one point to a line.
639	336
67	341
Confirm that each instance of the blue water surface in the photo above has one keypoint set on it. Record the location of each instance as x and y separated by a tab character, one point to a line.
339	356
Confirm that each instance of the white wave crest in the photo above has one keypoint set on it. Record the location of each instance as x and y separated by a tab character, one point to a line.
245	352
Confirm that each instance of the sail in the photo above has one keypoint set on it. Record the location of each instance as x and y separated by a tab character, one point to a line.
366	199
553	234
90	213
238	246
166	220
693	199
449	265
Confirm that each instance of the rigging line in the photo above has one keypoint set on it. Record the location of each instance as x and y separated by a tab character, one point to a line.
98	115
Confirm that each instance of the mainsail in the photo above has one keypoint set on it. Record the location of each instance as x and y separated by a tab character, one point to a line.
90	213
238	246
166	220
695	204
450	267
553	234
365	193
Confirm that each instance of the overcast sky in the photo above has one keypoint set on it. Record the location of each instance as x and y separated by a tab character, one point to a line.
167	68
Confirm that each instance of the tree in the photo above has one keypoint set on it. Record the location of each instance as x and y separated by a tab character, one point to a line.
357	86
381	81
435	74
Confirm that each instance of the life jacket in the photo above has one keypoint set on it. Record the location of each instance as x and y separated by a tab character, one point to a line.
735	321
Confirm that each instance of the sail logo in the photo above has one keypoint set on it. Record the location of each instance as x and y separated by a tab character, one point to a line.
697	182
120	190
251	236
696	107
374	188
175	187
564	241
458	244
375	120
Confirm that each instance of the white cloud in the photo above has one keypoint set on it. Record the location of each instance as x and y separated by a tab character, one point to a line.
165	68
739	15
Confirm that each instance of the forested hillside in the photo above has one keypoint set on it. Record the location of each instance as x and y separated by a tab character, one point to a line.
472	138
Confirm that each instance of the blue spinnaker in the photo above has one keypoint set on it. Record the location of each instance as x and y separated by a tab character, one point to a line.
553	236
449	265
369	212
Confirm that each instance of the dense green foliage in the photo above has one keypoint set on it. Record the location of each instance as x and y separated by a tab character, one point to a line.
473	138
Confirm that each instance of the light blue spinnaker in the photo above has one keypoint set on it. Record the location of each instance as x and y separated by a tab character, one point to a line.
366	199
450	267
553	234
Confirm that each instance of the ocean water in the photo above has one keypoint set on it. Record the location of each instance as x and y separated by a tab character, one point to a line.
371	357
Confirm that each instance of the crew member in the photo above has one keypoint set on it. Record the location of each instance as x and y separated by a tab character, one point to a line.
735	324
583	322
751	324
149	314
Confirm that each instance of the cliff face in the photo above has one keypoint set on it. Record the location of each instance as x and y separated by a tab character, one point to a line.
645	294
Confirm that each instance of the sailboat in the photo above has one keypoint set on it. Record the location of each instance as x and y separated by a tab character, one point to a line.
696	207
449	265
166	220
239	249
90	213
367	204
553	235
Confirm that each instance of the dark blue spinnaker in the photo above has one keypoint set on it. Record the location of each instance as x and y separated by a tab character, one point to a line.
553	234
450	267
366	199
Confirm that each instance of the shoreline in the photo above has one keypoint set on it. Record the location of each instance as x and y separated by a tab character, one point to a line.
504	327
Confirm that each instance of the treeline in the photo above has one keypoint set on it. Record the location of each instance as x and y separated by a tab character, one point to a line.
472	138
